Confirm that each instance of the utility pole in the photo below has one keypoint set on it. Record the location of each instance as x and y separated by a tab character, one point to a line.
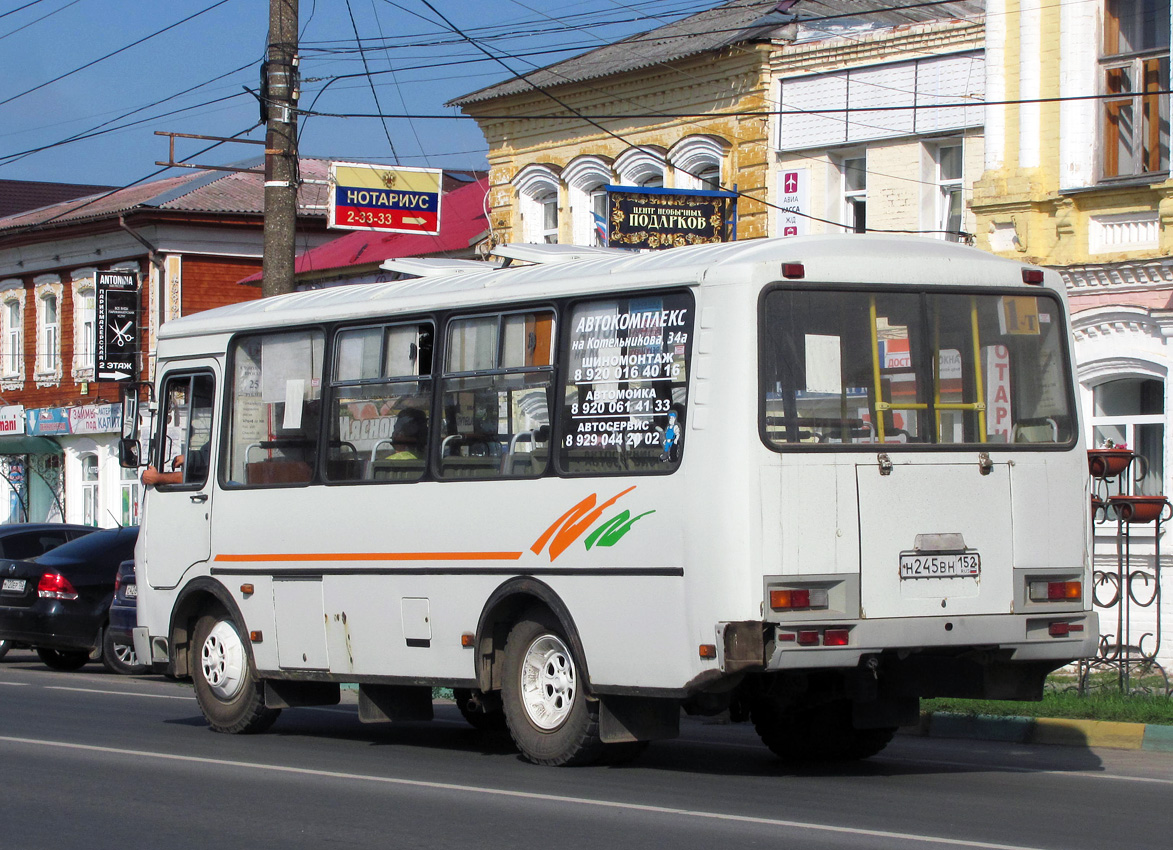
281	170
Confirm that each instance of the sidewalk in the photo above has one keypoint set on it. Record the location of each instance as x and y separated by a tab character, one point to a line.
1045	730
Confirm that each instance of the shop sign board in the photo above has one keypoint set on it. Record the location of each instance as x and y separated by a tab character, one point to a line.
116	348
793	201
95	419
392	200
12	419
47	421
651	219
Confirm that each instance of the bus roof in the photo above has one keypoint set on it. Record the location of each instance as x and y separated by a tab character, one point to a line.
855	258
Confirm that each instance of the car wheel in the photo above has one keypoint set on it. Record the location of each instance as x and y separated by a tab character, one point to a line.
547	710
228	691
63	659
120	657
4	647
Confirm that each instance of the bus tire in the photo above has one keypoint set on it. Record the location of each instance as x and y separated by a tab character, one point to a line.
229	693
550	717
816	733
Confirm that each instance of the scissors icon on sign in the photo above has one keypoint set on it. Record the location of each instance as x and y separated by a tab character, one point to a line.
121	336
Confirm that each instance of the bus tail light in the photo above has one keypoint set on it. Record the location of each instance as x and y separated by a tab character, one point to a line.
795	599
793	271
1063	629
808	637
1056	591
835	637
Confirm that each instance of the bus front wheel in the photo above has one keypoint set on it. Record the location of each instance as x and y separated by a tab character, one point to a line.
228	691
546	707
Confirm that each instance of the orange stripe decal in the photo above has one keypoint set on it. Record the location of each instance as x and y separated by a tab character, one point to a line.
373	556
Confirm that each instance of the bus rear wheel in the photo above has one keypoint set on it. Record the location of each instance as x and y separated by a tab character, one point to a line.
229	693
819	733
549	716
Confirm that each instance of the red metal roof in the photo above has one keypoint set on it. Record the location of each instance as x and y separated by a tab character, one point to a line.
462	223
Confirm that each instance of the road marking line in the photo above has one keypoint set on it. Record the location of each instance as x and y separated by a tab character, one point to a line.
115	693
16	684
529	795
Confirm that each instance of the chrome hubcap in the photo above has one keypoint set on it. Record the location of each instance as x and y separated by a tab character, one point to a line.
549	684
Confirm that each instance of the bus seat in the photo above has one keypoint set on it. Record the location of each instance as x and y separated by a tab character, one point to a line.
278	472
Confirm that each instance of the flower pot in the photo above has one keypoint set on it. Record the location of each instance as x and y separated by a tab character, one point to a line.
1138	508
1108	463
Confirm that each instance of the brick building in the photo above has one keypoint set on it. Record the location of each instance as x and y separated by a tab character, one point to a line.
189	240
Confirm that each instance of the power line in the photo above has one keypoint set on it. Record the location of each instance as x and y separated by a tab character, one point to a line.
38	20
367	70
113	53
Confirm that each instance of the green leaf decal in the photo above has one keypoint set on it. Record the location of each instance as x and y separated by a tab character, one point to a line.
612	531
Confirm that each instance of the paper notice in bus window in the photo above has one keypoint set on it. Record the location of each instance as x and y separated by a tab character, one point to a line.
294	393
824	365
1019	315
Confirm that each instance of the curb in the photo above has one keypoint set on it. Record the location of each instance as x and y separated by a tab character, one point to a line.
1045	730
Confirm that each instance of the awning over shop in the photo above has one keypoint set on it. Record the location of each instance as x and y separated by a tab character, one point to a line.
23	444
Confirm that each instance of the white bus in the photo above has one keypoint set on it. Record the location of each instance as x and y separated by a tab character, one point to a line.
805	481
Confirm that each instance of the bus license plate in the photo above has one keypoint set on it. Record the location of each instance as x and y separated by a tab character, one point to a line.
940	565
15	585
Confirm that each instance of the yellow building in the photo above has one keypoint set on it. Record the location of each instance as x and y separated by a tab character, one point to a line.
696	105
1077	178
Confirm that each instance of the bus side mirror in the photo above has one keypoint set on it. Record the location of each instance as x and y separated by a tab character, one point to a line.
128	448
128	453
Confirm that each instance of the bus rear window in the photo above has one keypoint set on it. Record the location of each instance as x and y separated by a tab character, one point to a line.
919	368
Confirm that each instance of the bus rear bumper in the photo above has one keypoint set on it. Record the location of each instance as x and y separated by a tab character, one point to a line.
1059	638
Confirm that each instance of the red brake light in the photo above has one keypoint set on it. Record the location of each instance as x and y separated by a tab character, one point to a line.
1034	276
1064	590
55	586
835	637
808	638
793	271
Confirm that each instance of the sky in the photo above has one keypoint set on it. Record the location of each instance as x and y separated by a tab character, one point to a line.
85	84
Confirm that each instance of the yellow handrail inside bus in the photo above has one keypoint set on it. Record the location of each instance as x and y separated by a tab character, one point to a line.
880	405
980	405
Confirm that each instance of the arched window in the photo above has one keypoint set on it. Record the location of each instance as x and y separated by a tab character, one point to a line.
89	489
585	178
697	162
641	167
538	202
1131	412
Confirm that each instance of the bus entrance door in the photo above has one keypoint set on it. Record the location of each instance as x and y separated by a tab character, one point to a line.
936	539
177	508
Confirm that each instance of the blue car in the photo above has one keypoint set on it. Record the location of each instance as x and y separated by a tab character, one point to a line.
118	645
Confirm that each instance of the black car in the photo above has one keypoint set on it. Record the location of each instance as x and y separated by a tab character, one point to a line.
59	603
22	540
118	645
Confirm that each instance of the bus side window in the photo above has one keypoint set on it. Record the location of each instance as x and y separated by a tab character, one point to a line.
625	402
496	388
380	403
185	449
276	408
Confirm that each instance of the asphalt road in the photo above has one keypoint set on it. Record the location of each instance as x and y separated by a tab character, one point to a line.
93	760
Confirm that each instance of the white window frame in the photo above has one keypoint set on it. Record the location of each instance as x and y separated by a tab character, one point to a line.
946	189
1128	422
12	363
646	167
91	490
850	199
696	162
538	186
585	178
84	319
48	356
